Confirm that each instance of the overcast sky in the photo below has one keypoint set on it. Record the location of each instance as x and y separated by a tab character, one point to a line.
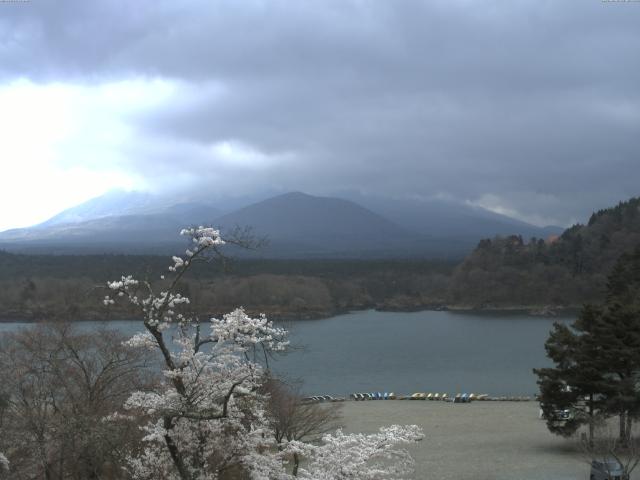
530	108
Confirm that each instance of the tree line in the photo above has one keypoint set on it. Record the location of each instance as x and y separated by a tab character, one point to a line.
565	271
281	295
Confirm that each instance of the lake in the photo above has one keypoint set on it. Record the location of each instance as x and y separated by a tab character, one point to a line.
404	352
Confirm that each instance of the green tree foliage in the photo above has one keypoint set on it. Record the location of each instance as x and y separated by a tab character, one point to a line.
565	271
597	359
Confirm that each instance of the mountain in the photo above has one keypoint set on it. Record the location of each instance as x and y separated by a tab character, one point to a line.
117	222
296	224
113	203
117	203
568	270
448	219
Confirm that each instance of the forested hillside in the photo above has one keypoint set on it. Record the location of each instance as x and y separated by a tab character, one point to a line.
564	271
37	287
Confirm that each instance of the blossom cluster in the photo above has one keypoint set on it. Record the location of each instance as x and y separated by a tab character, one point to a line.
123	283
360	456
142	340
247	332
159	309
203	236
122	287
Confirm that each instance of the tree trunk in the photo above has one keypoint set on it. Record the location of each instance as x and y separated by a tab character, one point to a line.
591	422
623	428
296	464
46	465
176	456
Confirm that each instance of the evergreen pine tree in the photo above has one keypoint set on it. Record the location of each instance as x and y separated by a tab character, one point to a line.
597	359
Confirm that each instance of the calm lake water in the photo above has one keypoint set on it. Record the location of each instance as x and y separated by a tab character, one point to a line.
407	352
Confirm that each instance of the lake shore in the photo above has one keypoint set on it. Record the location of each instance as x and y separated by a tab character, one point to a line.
280	315
479	441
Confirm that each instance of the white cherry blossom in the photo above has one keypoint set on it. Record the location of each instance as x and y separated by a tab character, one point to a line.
209	413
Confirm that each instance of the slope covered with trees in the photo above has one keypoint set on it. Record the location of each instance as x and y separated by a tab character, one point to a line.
36	287
562	271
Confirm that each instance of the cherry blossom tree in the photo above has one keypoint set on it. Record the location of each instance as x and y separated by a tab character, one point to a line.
209	420
365	457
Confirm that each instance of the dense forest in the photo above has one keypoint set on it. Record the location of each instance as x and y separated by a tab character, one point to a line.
503	272
559	271
71	287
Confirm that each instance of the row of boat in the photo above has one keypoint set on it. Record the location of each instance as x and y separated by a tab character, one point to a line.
444	397
322	398
374	396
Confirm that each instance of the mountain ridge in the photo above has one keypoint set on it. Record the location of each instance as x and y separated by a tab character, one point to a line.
297	224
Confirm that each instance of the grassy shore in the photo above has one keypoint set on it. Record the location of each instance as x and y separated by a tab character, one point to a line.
479	441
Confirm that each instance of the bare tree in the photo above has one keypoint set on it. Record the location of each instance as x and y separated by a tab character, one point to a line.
609	451
292	418
60	389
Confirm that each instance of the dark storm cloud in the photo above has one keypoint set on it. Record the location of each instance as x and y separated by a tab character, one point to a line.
527	107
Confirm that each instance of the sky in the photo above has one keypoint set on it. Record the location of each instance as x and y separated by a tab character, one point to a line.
527	108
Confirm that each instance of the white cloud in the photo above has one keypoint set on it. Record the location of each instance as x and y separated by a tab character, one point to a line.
62	143
408	98
505	206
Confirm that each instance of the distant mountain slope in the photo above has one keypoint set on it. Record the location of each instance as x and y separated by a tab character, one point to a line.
318	224
134	233
442	218
297	225
113	203
572	269
119	203
301	215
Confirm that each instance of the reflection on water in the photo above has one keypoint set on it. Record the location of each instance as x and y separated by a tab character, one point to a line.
406	352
